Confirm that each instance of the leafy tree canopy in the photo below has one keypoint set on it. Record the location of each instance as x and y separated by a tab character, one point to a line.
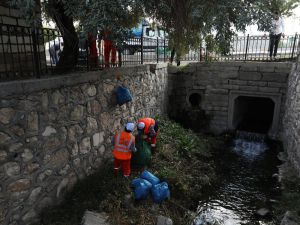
186	21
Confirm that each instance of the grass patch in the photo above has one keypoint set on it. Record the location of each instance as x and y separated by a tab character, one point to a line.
183	159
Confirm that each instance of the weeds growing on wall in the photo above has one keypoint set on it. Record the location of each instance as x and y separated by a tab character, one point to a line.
183	159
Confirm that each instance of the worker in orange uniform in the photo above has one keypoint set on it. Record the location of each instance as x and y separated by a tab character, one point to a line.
124	145
149	128
93	54
109	47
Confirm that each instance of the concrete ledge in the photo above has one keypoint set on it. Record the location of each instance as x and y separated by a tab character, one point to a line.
36	85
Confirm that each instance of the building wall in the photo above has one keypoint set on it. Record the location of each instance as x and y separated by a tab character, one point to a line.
16	45
220	83
58	130
291	121
10	15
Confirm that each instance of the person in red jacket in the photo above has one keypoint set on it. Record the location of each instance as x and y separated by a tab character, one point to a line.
149	128
124	145
93	54
109	47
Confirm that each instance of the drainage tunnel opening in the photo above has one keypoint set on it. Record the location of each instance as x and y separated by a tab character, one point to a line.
254	114
195	99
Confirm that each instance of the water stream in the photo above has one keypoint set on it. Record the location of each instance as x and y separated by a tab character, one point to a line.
247	184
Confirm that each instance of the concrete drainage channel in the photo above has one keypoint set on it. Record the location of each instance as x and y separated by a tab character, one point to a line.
71	119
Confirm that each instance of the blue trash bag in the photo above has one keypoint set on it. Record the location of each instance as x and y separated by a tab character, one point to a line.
150	177
123	95
160	192
141	188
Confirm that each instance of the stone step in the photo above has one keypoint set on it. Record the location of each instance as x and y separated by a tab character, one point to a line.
93	218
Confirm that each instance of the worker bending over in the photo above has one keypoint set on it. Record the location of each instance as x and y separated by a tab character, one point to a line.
149	128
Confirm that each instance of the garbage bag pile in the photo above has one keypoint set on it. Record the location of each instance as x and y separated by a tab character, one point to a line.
148	183
123	95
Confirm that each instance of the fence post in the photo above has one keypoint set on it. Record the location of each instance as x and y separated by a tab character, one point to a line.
35	42
294	44
120	57
157	53
4	53
200	52
142	49
87	58
164	49
247	43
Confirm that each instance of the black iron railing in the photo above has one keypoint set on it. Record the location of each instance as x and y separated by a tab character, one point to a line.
31	53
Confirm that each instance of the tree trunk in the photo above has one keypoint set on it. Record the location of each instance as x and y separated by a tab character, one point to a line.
69	56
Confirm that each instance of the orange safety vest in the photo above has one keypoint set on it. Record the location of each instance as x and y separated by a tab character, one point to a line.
122	144
148	122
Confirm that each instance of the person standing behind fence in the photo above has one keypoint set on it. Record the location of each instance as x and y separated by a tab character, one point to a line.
93	54
109	47
55	50
276	31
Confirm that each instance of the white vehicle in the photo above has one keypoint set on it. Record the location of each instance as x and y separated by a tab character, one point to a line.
145	38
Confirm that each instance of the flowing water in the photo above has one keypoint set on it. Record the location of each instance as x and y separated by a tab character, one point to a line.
247	184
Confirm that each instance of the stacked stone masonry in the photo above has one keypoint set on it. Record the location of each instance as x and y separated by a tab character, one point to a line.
58	130
291	121
219	82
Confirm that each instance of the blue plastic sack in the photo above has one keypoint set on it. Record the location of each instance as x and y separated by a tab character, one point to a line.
141	188
150	177
160	192
123	95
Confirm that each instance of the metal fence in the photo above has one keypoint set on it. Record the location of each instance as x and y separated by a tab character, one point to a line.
27	52
246	48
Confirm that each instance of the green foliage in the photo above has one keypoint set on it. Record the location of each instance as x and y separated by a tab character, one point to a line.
283	7
186	22
184	160
189	21
265	10
115	16
211	43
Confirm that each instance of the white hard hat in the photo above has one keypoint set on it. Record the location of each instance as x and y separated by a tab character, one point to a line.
141	125
129	126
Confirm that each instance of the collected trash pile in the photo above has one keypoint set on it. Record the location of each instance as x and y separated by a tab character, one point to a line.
149	183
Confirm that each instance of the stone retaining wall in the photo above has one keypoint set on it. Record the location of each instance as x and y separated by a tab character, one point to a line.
58	130
291	121
219	83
